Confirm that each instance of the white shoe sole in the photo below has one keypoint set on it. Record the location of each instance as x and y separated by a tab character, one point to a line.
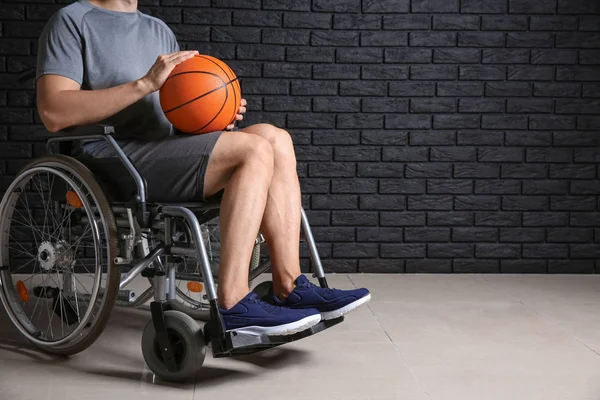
281	330
346	309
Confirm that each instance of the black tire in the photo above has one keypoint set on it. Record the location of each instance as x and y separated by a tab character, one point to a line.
189	347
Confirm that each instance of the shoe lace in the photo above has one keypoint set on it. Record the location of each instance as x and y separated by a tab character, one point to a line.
268	307
311	285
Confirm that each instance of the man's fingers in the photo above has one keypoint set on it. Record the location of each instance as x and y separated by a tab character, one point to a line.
244	103
239	117
242	110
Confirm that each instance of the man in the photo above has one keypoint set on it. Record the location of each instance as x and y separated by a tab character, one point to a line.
102	61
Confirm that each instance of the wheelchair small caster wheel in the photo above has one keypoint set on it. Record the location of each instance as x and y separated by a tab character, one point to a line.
264	290
188	347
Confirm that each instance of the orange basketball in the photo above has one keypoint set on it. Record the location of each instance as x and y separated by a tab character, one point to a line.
201	95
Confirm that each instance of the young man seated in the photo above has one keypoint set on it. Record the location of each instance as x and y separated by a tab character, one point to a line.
103	61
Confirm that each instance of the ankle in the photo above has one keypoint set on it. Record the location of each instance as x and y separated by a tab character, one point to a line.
229	300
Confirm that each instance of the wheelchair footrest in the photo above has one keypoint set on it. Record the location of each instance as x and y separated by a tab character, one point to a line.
233	344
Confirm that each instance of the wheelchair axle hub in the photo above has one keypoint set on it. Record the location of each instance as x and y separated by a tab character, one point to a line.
59	254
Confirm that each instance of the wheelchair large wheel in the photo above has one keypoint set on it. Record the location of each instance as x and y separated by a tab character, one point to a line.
57	248
188	344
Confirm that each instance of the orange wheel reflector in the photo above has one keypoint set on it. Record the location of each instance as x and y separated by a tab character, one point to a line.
194	287
73	200
22	291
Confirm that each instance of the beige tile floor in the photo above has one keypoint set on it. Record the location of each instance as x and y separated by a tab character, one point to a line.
435	337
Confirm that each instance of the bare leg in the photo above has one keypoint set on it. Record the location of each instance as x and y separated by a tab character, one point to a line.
242	164
281	220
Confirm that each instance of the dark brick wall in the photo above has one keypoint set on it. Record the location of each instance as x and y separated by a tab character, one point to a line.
432	135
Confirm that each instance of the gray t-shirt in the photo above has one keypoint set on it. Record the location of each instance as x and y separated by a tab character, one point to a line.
100	49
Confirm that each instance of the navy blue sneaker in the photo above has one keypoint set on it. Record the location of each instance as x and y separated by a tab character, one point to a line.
255	317
331	303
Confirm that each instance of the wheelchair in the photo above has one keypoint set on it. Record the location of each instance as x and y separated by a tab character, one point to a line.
76	231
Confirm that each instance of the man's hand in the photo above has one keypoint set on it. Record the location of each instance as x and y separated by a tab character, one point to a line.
159	72
240	115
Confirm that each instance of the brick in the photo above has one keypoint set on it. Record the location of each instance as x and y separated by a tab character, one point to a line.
504	23
576	139
432	138
588	123
300	137
340	266
302	54
360	55
283	70
313	153
554	56
551	122
481	39
406	22
15	150
12	12
236	3
480	138
526	171
391	39
474	234
570	267
428	266
528	138
331	170
529	73
408	121
449	186
481	105
429	203
385	6
482	72
572	171
205	16
406	154
578	40
504	122
335	38
433	105
381	202
314	185
585	187
412	89
276	119
179	3
403	218
336	104
245	69
497	219
312	88
384	72
15	116
548	251
569	235
451	218
354	218
432	39
422	235
363	88
461	89
553	23
502	251
529	39
508	89
235	34
473	170
387	105
366	266
402	186
353	185
14	46
427	170
352	121
335	137
528	106
497	187
572	203
325	71
310	120
356	21
434	6
307	20
402	250
523	266
287	5
334	202
505	56
589	23
397	138
456	56
379	235
333	234
23	29
280	103
356	250
21	99
557	89
549	155
589	57
455	121
545	187
475	266
408	55
524	203
455	22
260	52
286	36
500	154
545	219
583	219
578	106
383	170
336	5
452	250
578	73
532	7
477	202
357	154
453	154
483	7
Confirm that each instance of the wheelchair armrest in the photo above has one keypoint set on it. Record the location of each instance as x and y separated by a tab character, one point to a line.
87	130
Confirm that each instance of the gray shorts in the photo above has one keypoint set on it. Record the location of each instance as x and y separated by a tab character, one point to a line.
174	168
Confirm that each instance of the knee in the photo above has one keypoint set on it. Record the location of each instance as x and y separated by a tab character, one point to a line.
282	143
258	151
